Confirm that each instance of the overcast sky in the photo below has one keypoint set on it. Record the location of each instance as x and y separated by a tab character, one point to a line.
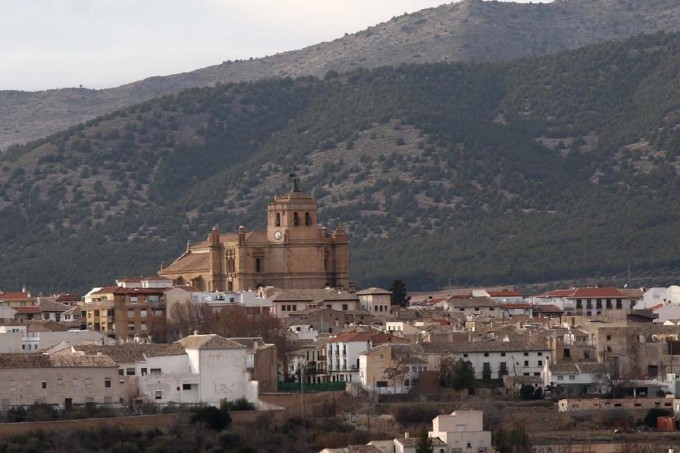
104	43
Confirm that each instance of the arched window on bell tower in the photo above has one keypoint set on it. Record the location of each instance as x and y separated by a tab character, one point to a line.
296	219
258	265
308	219
278	219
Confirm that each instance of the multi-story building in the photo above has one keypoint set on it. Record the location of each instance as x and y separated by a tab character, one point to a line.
126	313
375	301
391	368
495	359
344	349
195	369
60	380
293	252
290	301
592	302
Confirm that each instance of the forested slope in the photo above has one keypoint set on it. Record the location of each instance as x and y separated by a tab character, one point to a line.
556	167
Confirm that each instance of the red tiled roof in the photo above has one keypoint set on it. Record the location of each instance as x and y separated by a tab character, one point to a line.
67	298
15	295
105	290
656	307
347	337
504	294
27	310
556	293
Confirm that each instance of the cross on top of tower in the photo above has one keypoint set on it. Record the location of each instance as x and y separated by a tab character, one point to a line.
296	186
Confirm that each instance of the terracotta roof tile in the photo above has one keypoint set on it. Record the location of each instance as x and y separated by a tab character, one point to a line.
54	361
210	341
373	291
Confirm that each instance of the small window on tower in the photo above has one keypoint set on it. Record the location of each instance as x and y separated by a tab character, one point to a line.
258	265
296	219
308	219
278	219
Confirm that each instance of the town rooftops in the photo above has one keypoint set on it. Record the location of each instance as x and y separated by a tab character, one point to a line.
15	295
373	291
132	352
471	302
591	293
54	361
504	294
34	309
517	345
210	341
577	368
308	295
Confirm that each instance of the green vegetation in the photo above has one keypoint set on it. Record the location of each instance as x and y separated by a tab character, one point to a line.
558	167
457	374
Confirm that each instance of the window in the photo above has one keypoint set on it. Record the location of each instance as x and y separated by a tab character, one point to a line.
142	313
540	363
44	384
344	307
572	377
133	300
88	382
609	338
143	371
121	371
258	265
131	313
155	371
296	219
486	354
28	383
107	382
465	355
308	219
278	219
12	385
560	378
74	383
186	386
526	363
526	354
60	382
158	395
502	354
130	371
540	354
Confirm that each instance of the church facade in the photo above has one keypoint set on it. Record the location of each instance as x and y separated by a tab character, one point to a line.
293	253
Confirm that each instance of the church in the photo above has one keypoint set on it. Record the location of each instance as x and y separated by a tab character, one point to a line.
293	253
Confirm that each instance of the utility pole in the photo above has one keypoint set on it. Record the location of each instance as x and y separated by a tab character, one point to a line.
302	389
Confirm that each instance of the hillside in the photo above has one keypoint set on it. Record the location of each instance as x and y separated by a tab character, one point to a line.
559	167
471	30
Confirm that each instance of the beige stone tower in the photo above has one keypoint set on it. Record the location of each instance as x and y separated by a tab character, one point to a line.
293	253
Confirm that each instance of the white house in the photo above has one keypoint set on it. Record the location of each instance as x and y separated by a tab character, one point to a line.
577	378
195	369
462	431
375	301
655	296
497	358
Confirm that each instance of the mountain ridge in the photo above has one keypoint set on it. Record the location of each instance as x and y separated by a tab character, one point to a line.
554	167
472	30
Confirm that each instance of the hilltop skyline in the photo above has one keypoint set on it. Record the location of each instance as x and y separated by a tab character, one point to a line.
103	44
